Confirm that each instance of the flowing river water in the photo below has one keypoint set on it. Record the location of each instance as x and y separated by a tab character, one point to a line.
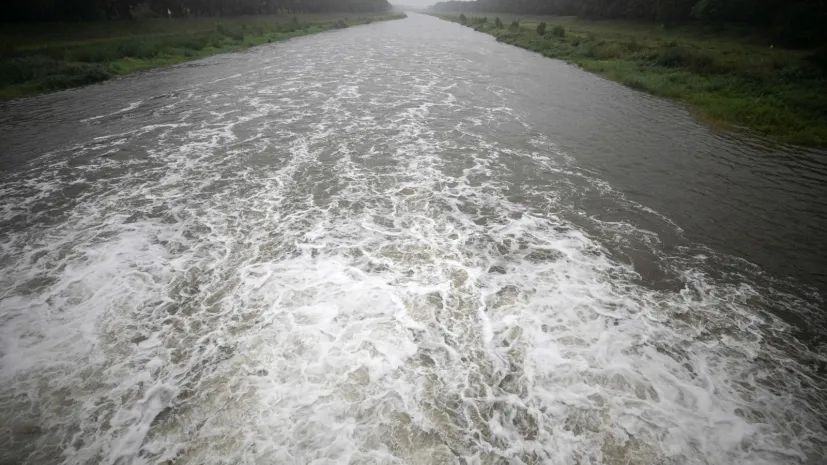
403	243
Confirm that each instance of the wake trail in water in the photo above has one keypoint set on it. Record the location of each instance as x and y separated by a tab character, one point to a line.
347	260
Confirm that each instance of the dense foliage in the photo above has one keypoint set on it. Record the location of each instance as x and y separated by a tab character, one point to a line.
57	10
794	23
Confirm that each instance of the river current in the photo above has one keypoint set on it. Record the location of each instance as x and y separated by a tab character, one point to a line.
403	243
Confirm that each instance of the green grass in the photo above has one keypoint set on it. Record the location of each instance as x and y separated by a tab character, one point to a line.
729	77
40	58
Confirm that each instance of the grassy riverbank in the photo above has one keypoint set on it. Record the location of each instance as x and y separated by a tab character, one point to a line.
40	58
728	77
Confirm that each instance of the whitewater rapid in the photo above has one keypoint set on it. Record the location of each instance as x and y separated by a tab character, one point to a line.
345	255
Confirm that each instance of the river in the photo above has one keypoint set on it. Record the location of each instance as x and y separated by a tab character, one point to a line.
403	243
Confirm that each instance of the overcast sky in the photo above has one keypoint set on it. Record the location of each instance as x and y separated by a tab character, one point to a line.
414	2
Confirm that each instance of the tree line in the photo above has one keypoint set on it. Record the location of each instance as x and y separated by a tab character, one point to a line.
74	10
793	23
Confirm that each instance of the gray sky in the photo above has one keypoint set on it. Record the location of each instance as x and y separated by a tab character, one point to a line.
414	2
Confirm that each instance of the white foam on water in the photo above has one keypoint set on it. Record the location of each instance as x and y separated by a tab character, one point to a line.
338	270
126	109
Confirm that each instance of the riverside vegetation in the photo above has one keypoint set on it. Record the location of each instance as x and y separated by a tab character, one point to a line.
727	76
38	58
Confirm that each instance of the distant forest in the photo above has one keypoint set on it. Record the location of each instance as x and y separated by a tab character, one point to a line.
79	10
793	23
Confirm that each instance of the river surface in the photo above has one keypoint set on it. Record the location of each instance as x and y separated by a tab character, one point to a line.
403	243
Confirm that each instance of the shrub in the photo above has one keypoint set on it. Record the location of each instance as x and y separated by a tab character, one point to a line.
498	23
607	51
463	19
541	29
818	59
636	82
558	31
76	74
137	49
223	30
515	26
340	24
682	57
507	36
16	70
192	41
216	40
95	54
7	49
50	73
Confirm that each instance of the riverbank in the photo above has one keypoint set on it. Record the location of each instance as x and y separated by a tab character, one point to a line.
40	58
728	78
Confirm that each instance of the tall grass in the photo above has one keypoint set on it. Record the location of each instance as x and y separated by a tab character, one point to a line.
50	74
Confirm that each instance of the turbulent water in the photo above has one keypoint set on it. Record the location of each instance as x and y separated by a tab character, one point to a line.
372	247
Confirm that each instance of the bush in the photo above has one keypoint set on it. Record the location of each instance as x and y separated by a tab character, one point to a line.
507	36
818	60
636	82
191	41
607	51
216	40
463	19
7	49
541	29
17	70
515	26
76	74
498	23
558	31
50	73
682	57
223	30
136	48
94	54
340	24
